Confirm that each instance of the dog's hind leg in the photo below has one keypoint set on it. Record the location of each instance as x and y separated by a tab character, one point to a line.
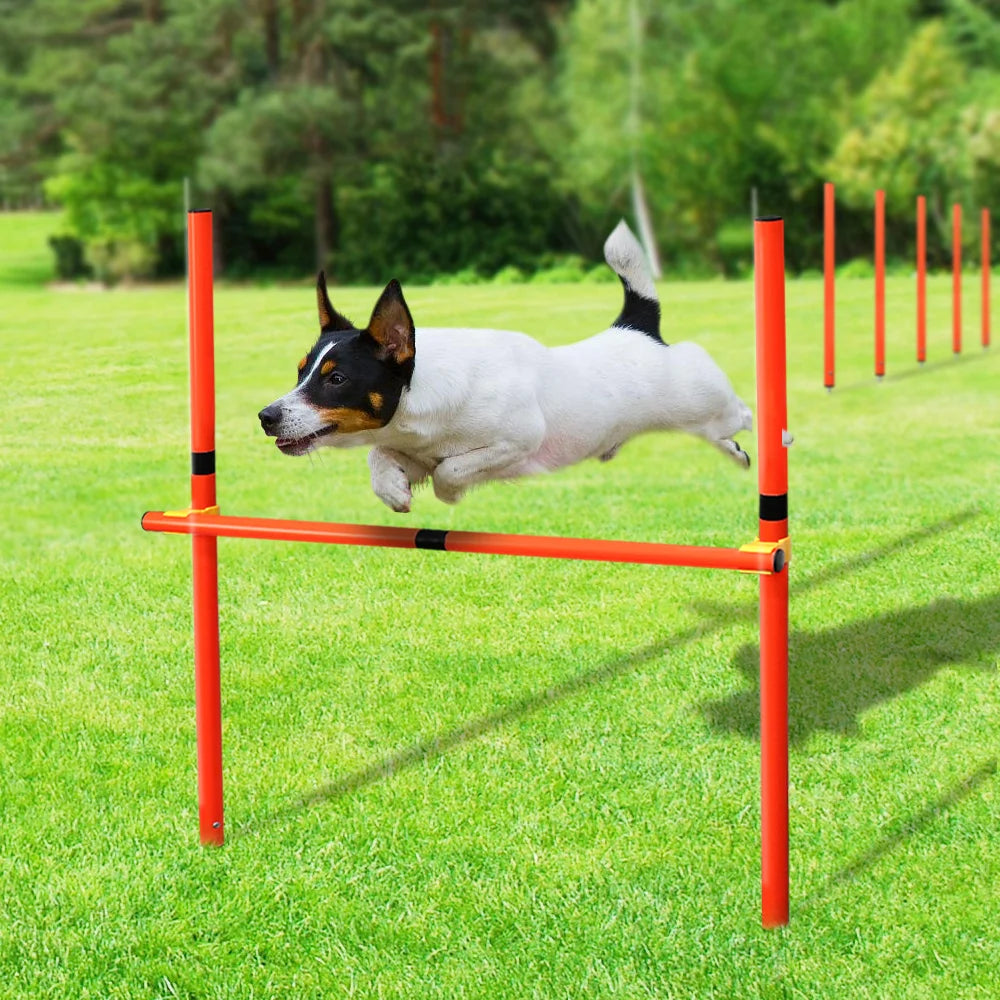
729	447
393	476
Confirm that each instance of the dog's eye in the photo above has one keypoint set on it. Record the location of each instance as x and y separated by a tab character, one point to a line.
336	378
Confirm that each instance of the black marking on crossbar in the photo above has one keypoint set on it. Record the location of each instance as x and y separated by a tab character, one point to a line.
779	560
430	538
202	463
773	508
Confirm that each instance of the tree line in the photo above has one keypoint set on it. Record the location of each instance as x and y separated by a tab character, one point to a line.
387	136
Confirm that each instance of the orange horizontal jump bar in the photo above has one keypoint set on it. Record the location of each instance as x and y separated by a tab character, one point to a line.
593	549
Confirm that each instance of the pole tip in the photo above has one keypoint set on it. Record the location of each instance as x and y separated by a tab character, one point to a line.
768	218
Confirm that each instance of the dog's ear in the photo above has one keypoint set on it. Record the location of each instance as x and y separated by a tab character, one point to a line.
329	319
391	325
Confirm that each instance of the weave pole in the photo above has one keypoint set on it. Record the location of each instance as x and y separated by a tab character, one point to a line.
985	298
772	477
956	279
921	279
879	284
204	548
829	295
829	263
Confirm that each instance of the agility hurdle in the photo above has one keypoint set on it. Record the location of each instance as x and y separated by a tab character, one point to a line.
829	279
768	555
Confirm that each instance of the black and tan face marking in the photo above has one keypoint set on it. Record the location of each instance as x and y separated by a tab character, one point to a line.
351	380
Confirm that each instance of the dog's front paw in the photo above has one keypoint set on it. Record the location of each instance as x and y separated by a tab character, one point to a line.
394	491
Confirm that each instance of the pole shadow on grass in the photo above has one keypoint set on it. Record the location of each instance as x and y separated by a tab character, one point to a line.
910	370
715	618
837	674
435	746
899	831
844	567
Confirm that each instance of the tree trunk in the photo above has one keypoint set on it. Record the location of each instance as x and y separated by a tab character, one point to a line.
272	37
325	221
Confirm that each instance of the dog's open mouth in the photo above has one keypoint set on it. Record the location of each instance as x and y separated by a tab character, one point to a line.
299	446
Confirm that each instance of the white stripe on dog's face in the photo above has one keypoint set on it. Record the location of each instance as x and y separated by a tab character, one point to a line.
312	371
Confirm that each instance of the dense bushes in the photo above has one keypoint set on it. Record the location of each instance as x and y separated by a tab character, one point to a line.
418	218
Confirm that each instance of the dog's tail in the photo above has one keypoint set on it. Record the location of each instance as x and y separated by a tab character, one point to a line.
627	259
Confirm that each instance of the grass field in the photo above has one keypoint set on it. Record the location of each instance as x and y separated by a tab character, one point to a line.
456	776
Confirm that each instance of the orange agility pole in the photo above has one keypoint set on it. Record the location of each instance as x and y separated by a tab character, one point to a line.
767	556
956	279
985	298
208	711
829	254
921	279
749	560
772	463
879	284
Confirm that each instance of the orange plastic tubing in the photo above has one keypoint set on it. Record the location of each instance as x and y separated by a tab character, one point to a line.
554	547
205	564
986	277
921	279
879	283
772	465
829	264
956	279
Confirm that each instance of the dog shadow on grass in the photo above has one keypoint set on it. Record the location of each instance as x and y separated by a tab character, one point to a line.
837	674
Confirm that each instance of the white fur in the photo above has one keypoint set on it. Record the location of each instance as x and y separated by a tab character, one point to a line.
493	404
627	259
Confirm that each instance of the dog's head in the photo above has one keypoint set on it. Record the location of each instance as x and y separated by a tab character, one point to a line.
350	381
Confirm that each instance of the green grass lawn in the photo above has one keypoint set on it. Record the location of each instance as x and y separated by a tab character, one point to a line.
458	776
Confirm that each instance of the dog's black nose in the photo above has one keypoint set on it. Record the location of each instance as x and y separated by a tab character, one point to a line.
270	417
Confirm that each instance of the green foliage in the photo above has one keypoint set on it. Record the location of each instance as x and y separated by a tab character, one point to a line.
425	215
600	274
905	132
465	276
735	242
121	216
729	97
509	275
567	269
70	258
371	135
857	267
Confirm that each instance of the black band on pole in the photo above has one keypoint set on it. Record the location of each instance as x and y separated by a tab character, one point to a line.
430	538
202	463
773	508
